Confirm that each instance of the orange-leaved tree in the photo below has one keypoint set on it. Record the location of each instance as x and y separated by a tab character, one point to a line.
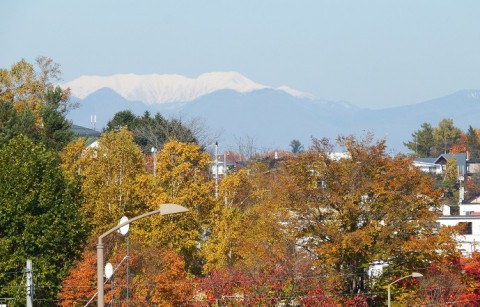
362	208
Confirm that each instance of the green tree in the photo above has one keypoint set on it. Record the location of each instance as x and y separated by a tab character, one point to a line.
296	146
154	131
40	219
14	123
422	141
445	136
56	132
473	145
122	119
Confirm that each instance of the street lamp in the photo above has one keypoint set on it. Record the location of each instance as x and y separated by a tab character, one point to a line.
164	210
414	275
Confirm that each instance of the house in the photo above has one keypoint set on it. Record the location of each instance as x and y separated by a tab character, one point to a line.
438	165
428	165
468	214
473	167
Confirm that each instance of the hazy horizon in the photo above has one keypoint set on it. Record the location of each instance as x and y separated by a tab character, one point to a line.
373	54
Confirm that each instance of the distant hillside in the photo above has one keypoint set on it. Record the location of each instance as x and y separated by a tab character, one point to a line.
103	103
272	118
398	124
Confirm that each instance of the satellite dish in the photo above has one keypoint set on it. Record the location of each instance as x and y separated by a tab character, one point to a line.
108	270
124	229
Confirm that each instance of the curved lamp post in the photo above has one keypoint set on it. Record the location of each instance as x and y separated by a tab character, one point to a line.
414	275
164	210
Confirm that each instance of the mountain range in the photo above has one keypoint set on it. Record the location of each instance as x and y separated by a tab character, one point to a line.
239	109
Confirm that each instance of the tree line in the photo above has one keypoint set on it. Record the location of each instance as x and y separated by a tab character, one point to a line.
305	229
445	138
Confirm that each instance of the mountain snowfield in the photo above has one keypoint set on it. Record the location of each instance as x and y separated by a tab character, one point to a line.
235	108
158	89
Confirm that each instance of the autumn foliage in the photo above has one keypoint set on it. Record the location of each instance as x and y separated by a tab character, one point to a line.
303	230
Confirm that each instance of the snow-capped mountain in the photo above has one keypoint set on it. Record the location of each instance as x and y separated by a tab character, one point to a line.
158	89
237	107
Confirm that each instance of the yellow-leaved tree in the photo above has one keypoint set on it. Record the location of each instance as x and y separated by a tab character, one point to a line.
222	247
114	183
182	178
251	250
109	171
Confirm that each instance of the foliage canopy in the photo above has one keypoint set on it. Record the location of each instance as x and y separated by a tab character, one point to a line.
40	218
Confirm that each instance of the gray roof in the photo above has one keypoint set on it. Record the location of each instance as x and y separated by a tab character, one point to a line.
460	157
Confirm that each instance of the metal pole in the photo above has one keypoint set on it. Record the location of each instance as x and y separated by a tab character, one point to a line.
112	284
154	151
155	163
29	284
224	165
216	170
389	304
100	301
128	269
414	275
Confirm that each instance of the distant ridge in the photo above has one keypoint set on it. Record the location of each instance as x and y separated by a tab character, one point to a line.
158	89
84	132
239	108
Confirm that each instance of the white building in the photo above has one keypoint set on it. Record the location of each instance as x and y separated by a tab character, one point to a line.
469	217
437	165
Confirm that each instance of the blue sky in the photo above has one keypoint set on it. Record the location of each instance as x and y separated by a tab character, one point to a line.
373	54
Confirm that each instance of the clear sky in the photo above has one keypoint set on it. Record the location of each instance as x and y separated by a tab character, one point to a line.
375	54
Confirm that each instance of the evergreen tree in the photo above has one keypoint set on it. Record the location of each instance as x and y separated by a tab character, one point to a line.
14	123
152	131
56	132
422	141
121	119
473	145
296	146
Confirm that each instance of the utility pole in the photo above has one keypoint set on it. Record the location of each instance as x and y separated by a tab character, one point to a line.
128	269
154	151
216	170
29	284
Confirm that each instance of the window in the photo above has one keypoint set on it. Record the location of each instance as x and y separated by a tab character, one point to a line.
467	227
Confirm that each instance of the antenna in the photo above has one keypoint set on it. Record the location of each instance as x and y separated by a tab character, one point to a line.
93	120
